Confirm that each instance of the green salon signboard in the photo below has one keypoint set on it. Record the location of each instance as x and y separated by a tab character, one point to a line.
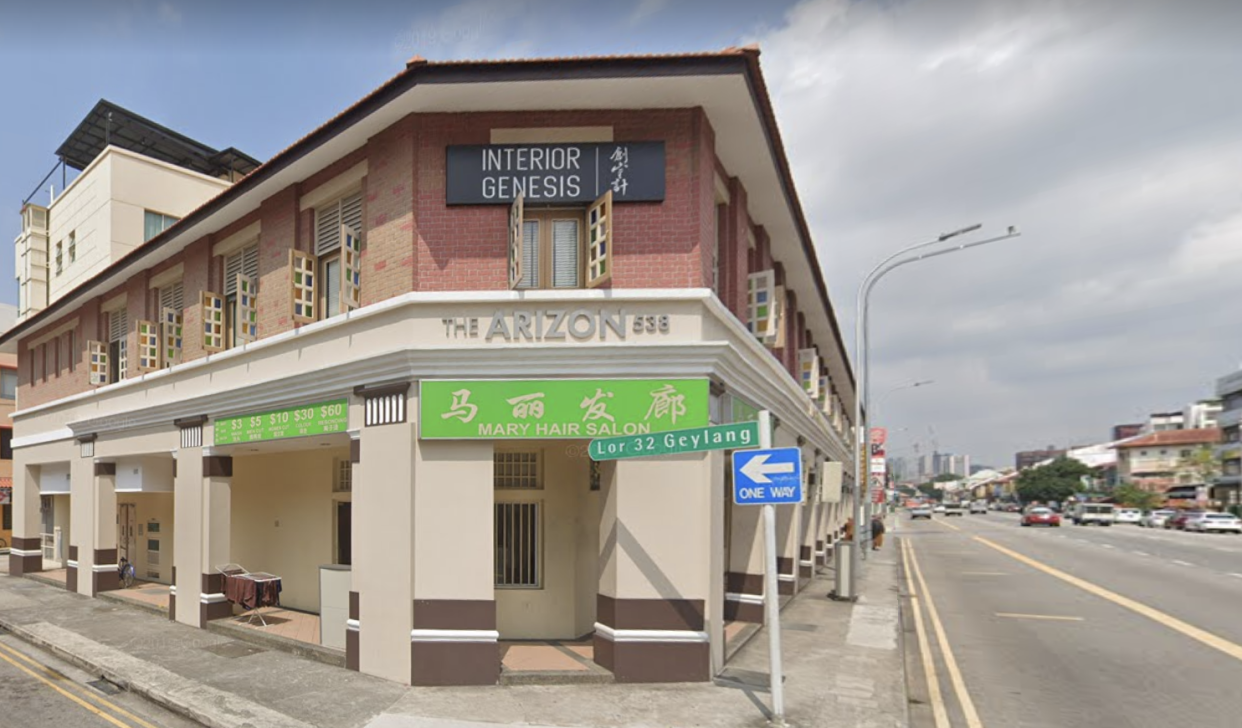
309	419
559	408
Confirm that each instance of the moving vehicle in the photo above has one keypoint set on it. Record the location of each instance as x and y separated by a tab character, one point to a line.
1041	517
953	509
939	508
1129	515
1084	514
920	511
979	506
1156	519
1177	521
1214	523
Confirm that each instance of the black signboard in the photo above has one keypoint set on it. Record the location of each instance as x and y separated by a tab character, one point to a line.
494	174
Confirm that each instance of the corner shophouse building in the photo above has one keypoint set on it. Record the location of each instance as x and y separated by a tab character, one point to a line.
392	360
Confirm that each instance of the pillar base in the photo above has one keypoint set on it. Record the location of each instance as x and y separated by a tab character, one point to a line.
25	556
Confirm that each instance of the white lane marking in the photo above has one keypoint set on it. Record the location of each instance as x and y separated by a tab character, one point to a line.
1141	553
1106	545
1182	563
1234	573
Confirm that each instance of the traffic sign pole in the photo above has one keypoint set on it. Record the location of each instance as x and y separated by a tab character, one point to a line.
771	595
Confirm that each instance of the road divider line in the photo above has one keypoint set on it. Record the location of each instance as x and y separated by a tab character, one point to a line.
1233	573
79	689
63	691
939	714
1141	553
946	524
985	573
1182	563
1232	649
1051	617
950	662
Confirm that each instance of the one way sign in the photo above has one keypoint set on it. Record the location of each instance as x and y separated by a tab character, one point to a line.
767	476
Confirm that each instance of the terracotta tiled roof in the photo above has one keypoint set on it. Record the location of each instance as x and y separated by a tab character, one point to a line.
1205	436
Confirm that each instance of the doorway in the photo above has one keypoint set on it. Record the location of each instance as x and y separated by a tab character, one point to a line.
344	533
126	520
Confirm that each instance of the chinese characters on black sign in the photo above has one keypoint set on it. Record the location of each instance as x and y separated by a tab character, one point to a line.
555	173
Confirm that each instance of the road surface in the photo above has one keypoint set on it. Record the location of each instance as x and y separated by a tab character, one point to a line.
1072	626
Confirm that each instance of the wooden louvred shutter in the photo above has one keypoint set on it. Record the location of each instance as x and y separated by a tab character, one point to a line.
302	286
808	371
516	240
777	340
599	241
247	323
761	304
213	322
98	353
351	269
148	346
170	323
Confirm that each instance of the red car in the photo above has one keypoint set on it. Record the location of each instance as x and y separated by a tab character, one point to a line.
1041	517
1178	522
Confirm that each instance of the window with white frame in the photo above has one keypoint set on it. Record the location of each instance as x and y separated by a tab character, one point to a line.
60	257
345	212
560	248
343	482
73	245
517	471
154	223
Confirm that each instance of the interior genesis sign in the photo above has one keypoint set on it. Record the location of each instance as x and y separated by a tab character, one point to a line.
492	174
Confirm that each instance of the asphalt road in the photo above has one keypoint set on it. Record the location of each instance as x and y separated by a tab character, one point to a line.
1076	626
37	689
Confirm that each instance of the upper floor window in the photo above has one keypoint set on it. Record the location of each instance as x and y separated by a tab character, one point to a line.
155	223
245	263
60	257
6	443
73	245
8	384
118	322
559	248
345	212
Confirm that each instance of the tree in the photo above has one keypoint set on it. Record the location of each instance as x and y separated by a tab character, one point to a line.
1055	481
931	491
946	477
1203	465
1129	494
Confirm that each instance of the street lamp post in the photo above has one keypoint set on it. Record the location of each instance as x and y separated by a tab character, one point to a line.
846	588
874	416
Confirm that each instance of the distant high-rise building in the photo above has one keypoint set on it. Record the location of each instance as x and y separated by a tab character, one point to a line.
1123	432
1027	458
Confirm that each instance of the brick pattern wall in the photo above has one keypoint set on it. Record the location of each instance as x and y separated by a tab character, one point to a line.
413	241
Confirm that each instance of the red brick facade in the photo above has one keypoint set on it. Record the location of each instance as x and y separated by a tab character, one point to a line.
413	241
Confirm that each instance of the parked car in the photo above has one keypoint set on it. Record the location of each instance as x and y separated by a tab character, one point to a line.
1156	519
1214	523
953	509
920	511
1102	514
939	508
1177	521
1041	517
1013	508
1128	515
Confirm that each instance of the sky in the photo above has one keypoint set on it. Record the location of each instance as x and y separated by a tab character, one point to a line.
1109	132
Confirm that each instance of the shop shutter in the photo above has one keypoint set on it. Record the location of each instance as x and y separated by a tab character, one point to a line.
761	304
244	262
98	353
517	237
330	218
808	371
566	242
171	323
213	322
173	296
599	241
351	269
302	286
247	308
148	346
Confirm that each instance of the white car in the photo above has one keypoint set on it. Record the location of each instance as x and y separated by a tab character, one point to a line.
939	508
1156	519
1215	522
1128	515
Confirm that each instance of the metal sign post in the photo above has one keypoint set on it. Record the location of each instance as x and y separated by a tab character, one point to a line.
765	477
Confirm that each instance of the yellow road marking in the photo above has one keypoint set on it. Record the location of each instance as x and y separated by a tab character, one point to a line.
946	524
1232	649
939	713
64	691
950	662
985	573
1054	617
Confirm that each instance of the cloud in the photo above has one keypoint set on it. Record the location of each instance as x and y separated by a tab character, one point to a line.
1103	129
645	9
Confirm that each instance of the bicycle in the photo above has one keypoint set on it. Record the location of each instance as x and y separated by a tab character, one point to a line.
125	570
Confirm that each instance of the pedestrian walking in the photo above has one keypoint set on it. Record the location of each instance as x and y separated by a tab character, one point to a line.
877	533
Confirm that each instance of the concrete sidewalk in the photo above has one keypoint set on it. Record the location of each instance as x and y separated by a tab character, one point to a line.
843	667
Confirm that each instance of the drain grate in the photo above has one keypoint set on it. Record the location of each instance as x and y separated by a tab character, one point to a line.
233	650
105	687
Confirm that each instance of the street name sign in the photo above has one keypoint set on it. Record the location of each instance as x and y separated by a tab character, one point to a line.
763	477
698	439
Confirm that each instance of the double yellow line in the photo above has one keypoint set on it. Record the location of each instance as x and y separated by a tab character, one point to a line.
918	598
70	690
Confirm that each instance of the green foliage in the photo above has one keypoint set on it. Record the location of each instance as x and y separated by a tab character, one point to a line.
1203	464
1129	494
1055	481
931	491
946	477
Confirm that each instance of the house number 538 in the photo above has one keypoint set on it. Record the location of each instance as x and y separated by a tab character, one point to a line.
651	324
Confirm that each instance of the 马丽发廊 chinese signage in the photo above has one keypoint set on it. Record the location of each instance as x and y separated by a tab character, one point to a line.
559	408
308	419
490	174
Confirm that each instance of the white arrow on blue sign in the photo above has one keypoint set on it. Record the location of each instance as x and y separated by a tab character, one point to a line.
767	476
